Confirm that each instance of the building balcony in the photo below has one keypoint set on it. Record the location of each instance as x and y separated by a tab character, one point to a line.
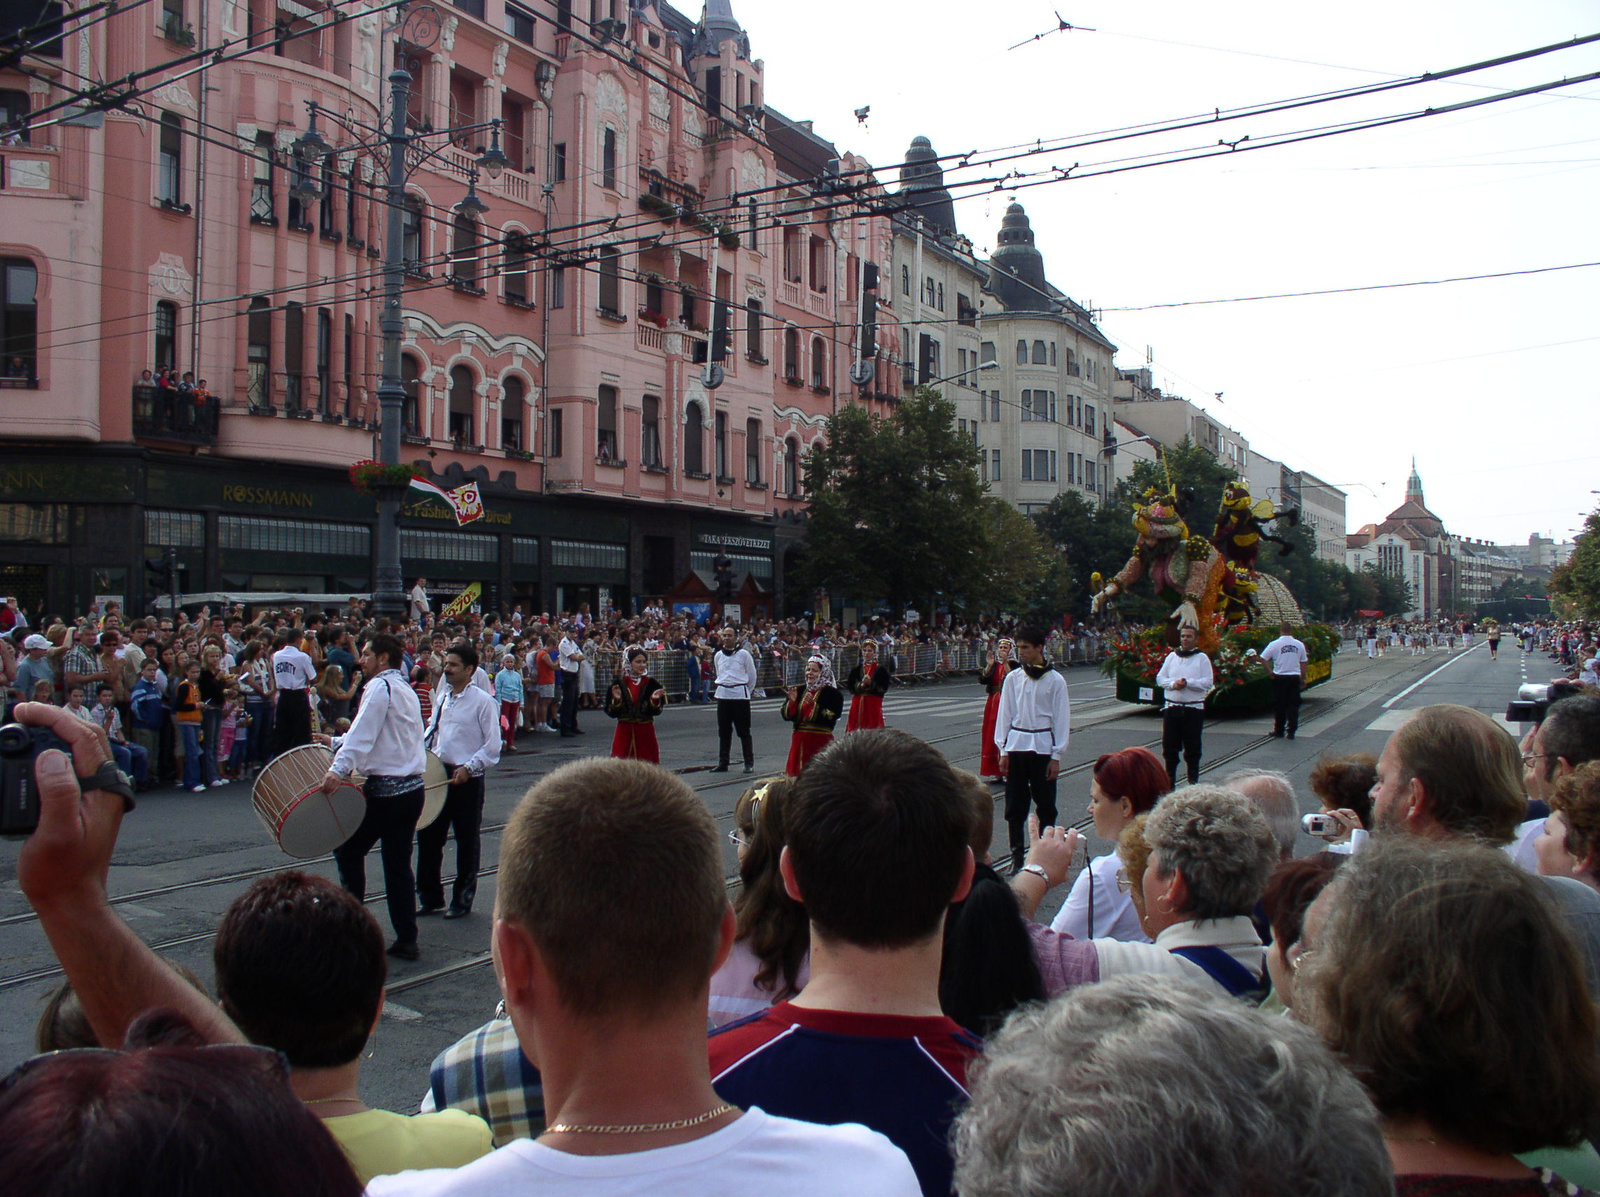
168	415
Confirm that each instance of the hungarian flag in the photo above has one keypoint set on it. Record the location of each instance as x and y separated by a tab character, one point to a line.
464	500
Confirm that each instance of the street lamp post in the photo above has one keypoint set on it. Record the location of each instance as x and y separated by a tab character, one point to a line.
405	152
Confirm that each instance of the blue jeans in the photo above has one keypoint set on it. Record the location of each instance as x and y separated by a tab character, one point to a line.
133	760
260	712
191	754
198	767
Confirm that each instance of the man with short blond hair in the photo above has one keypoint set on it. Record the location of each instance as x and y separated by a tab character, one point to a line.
605	940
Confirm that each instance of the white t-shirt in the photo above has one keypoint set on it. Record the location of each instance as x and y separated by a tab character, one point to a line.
1286	655
757	1154
292	669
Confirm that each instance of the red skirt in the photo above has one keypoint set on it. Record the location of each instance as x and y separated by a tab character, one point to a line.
866	711
636	740
802	747
990	765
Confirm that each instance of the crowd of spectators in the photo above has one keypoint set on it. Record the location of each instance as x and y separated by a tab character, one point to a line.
1410	1009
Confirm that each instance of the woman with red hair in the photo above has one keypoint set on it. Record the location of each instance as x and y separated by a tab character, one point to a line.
1126	784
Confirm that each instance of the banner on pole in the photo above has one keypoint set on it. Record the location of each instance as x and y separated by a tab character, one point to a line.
462	601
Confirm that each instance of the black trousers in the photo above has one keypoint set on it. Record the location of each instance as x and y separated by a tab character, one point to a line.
291	722
1285	704
463	814
1180	732
1027	785
394	821
569	700
733	714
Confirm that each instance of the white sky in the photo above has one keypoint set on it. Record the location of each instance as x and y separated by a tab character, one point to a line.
1491	384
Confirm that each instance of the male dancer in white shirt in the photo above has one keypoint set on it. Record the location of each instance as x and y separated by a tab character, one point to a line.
464	733
1186	678
384	743
1030	730
736	682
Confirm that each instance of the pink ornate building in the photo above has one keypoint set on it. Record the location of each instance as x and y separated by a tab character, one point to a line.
655	220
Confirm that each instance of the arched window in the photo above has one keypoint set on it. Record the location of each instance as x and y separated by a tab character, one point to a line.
752	452
606	447
752	332
819	363
463	405
608	158
791	354
464	250
1022	353
610	281
514	268
1039	358
694	440
258	354
411	381
791	467
166	335
650	432
513	405
411	233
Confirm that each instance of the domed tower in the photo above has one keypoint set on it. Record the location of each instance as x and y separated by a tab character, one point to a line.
922	186
1016	268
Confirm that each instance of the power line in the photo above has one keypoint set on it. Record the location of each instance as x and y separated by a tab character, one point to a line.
1429	282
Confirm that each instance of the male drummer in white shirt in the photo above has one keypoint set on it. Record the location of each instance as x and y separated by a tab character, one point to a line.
464	733
1030	730
385	744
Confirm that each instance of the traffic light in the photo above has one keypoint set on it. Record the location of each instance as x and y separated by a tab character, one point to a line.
722	569
161	573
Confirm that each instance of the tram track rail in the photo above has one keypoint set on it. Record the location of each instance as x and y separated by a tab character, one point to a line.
416	980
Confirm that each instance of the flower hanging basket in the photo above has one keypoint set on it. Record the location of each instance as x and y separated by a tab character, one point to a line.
381	481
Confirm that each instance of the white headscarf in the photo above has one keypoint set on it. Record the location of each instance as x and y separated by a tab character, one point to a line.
824	677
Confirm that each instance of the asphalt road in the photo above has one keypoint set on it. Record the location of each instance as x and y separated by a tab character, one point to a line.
183	857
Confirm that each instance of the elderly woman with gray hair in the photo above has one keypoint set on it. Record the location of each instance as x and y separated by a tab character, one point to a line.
1211	852
1140	1087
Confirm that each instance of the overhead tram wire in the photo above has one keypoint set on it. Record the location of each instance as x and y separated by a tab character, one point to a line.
1011	181
738	199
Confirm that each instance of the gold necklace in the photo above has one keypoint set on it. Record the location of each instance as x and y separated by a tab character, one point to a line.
641	1128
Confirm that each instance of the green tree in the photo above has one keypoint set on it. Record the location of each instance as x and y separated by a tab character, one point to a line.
1578	580
1199	478
1087	539
897	510
1019	572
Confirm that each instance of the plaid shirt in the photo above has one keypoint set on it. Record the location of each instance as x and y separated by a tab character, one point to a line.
485	1073
81	661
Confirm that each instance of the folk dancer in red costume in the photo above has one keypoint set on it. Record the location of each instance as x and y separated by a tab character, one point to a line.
1001	662
867	683
634	701
814	713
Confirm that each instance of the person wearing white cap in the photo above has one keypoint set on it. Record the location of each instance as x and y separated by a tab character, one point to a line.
33	668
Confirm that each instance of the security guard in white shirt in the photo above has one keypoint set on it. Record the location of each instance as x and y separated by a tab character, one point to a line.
464	733
384	743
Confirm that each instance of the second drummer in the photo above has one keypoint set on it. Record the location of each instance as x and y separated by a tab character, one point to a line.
464	733
634	700
814	713
384	743
868	682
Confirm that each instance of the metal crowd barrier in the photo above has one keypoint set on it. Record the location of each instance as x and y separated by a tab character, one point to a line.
777	669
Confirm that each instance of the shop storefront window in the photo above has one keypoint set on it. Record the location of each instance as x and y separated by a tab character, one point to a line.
588	555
